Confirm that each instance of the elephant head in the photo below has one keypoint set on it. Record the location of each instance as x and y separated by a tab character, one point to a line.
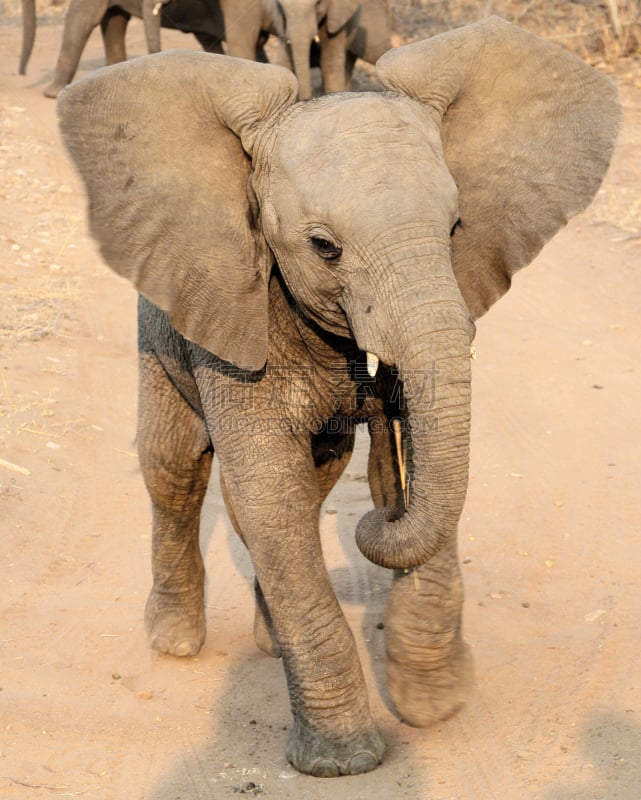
297	23
396	218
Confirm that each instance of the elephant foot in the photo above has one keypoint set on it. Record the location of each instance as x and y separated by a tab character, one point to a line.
431	692
174	628
329	758
53	90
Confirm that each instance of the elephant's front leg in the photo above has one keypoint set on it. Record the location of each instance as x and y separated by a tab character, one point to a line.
81	18
331	455
429	666
276	498
175	457
113	27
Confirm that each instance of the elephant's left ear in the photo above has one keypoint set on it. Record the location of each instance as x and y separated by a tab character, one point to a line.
162	143
339	12
528	131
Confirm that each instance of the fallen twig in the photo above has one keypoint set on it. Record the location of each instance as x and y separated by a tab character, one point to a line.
14	467
36	785
402	460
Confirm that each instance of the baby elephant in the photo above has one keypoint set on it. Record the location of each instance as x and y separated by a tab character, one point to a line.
298	263
330	34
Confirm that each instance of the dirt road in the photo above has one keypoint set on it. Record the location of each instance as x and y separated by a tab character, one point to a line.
550	537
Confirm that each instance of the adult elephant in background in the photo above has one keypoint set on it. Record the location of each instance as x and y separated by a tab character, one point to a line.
331	34
284	250
241	24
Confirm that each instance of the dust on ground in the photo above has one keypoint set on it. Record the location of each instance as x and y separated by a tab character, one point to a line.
550	536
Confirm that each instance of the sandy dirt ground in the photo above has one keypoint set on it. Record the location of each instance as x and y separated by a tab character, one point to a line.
550	537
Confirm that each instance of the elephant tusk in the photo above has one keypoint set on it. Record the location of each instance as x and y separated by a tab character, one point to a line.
401	458
372	365
473	352
317	39
156	9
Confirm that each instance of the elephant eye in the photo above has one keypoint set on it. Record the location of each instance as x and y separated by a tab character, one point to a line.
326	249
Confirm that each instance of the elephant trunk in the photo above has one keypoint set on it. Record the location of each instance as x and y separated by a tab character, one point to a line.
433	361
301	31
28	33
151	17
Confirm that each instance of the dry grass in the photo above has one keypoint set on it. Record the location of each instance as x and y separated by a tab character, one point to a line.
619	206
34	313
595	31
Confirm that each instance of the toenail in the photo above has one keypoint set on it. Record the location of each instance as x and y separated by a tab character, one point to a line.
186	648
324	768
362	762
160	644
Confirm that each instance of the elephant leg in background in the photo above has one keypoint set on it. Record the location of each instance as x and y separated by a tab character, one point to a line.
331	453
331	456
80	20
278	512
114	27
382	469
243	35
350	63
260	54
429	667
175	458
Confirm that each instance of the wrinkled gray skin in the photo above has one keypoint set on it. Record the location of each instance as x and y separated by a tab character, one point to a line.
242	24
331	34
282	241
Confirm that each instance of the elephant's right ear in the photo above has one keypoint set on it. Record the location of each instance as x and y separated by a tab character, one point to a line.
528	130
161	143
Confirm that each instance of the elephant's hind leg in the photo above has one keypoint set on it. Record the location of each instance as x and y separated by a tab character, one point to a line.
175	457
264	634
